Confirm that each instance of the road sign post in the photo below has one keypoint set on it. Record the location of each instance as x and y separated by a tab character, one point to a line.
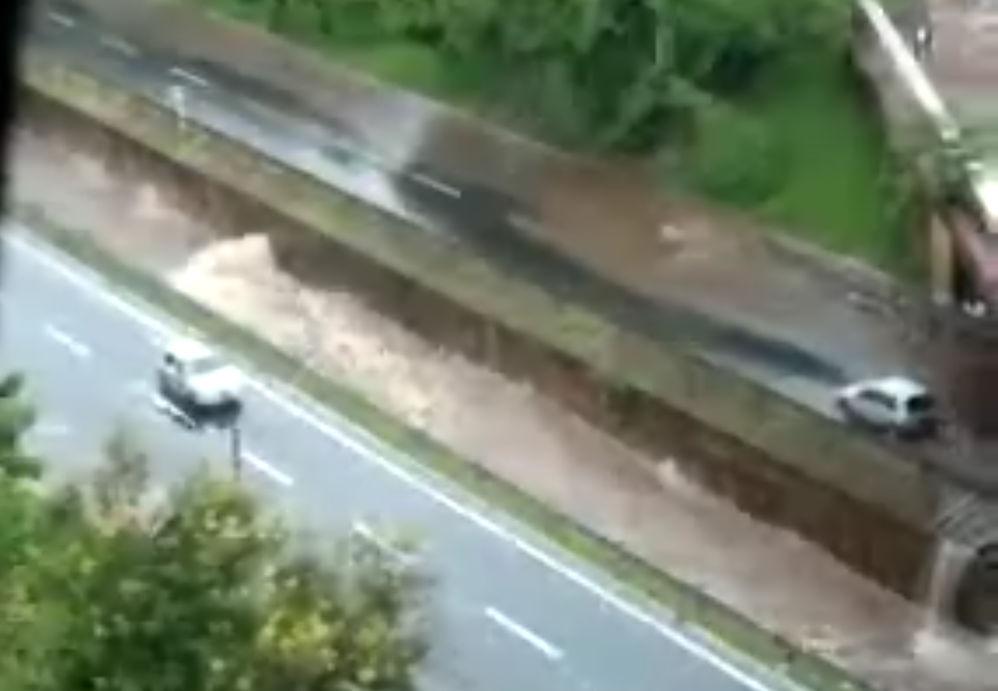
236	449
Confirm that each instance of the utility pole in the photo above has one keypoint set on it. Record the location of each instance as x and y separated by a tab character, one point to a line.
236	442
232	420
178	99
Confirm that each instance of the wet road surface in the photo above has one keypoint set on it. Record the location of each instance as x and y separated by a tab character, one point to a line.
510	611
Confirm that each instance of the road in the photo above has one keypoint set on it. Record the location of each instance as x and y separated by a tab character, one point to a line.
412	176
511	611
394	166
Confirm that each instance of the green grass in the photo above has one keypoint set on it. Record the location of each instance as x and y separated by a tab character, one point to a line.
837	190
689	605
417	67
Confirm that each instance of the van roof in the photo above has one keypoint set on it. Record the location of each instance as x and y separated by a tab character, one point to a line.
901	387
188	349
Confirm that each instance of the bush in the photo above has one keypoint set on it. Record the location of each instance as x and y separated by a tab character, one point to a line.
111	587
616	62
733	156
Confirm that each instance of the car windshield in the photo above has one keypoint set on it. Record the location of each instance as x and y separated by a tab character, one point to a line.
203	365
922	403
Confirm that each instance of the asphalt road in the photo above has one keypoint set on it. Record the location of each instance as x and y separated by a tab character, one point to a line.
510	610
196	85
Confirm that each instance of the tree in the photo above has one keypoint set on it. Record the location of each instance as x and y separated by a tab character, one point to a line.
106	587
614	73
16	417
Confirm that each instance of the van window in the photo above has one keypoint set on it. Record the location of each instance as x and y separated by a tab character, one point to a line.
208	363
923	403
879	398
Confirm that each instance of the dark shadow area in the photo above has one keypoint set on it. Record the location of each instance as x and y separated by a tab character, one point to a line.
12	15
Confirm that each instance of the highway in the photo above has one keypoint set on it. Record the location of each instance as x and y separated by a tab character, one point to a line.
510	611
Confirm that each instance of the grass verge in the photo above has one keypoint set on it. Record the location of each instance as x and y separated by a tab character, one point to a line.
841	187
689	605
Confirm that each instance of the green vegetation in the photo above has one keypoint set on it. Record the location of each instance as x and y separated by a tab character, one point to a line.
829	175
614	73
750	102
842	189
103	587
690	605
16	417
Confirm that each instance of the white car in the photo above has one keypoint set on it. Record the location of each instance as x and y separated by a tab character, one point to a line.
894	404
190	374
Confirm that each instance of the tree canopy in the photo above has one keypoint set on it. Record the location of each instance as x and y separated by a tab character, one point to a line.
616	71
106	586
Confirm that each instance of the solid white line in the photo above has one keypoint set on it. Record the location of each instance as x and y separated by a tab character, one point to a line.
523	633
120	45
70	343
84	278
189	76
62	19
267	469
375	451
439	186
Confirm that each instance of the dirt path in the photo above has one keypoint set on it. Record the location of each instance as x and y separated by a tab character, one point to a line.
644	503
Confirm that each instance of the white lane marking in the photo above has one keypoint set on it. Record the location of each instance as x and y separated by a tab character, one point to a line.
439	186
120	45
524	223
50	429
383	544
375	451
62	19
163	405
267	469
73	345
189	76
374	159
523	633
92	283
